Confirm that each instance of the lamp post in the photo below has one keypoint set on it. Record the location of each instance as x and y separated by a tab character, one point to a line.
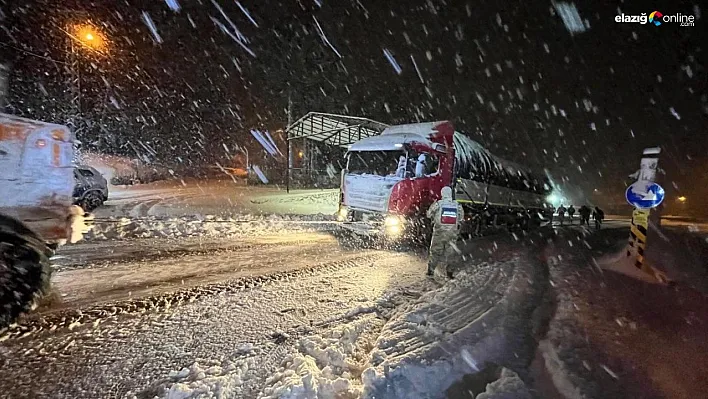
86	37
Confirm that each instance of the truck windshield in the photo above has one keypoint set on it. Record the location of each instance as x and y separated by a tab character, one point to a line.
379	163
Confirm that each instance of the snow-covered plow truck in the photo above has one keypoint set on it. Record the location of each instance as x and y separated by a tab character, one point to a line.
391	180
36	210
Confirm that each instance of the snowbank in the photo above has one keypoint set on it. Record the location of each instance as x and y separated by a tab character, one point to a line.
209	225
121	170
508	386
481	317
210	381
326	366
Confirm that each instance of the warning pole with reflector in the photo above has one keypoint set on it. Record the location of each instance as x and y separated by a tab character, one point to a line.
640	217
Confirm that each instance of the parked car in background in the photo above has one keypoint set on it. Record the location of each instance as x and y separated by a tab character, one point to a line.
91	189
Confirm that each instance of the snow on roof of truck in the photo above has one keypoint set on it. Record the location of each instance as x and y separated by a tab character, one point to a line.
22	125
389	142
472	160
393	137
333	129
7	118
424	129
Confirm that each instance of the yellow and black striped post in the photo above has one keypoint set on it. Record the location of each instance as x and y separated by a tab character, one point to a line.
640	219
638	236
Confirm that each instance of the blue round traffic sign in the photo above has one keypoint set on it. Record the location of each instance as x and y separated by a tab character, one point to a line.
644	194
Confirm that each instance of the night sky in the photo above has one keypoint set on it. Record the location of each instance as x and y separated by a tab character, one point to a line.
507	73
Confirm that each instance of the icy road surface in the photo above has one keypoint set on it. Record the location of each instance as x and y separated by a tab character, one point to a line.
133	315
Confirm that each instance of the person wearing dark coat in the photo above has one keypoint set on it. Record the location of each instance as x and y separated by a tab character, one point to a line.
571	213
585	212
599	216
561	214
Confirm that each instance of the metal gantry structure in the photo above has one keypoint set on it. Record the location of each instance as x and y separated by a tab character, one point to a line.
331	129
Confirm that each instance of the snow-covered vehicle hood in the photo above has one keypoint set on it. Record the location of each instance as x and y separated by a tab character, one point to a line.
368	192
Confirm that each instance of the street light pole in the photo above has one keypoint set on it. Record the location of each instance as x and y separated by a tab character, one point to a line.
84	36
289	142
75	70
4	79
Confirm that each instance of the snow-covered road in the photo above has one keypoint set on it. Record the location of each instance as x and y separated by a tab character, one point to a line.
238	323
275	307
102	272
285	314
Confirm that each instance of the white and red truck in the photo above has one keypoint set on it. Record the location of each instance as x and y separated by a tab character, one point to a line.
390	181
37	213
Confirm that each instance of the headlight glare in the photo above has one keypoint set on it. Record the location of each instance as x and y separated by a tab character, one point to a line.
392	220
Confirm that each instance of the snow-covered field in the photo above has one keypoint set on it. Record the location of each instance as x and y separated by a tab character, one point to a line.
189	197
113	228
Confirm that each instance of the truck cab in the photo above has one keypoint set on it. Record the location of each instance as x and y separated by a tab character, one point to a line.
390	180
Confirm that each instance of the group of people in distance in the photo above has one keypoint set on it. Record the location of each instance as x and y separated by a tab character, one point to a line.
585	212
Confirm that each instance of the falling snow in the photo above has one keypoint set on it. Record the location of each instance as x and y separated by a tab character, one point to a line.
392	61
151	25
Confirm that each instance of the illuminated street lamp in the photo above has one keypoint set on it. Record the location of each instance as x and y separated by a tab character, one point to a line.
89	37
682	199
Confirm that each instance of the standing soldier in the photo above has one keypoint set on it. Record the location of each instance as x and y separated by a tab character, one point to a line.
561	214
571	212
446	215
598	215
585	215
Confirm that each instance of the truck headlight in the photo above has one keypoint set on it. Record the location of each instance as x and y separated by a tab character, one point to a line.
392	220
393	231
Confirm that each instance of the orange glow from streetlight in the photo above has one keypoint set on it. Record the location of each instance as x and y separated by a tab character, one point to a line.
90	37
682	198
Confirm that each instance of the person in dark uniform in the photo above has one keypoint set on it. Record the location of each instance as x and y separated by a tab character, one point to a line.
599	216
571	213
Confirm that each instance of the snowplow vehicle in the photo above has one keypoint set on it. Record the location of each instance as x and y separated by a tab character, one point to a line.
37	214
391	180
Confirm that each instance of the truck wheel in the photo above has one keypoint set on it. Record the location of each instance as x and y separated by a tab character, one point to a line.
24	270
90	201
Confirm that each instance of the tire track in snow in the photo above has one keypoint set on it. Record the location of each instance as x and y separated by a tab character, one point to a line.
106	260
35	324
236	333
485	316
